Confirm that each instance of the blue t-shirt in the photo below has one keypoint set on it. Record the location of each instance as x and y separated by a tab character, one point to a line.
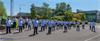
43	23
29	22
8	22
35	23
50	23
20	23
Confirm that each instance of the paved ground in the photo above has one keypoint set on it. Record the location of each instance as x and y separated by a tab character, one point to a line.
58	35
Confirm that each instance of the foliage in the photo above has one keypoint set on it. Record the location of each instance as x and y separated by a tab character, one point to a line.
80	16
2	10
43	12
68	13
33	11
62	12
60	8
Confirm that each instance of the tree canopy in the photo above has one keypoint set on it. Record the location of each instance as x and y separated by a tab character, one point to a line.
2	10
62	12
43	12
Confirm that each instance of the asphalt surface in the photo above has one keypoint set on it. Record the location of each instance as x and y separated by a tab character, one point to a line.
57	35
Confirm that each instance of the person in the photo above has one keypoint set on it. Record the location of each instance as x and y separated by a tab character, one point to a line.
69	25
93	27
14	23
53	25
43	25
78	26
26	22
74	24
20	24
17	24
83	25
65	26
8	26
58	24
49	27
29	24
35	25
90	25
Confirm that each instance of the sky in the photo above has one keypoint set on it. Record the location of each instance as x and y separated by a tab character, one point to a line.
25	5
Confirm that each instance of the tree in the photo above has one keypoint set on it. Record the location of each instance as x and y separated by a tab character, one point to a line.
46	11
80	16
2	10
33	11
83	16
68	13
60	8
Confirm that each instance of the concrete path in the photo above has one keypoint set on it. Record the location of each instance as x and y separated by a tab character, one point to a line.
58	35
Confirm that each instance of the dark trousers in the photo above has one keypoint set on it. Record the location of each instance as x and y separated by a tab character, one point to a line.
43	28
78	28
20	28
14	24
90	27
65	28
23	26
49	30
93	28
29	27
8	29
83	26
35	30
26	24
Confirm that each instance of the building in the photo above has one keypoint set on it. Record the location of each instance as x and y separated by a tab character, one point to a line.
98	16
92	15
24	15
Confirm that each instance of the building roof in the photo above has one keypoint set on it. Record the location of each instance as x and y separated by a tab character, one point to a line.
88	12
23	14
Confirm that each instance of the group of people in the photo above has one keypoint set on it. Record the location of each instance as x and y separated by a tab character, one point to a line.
50	25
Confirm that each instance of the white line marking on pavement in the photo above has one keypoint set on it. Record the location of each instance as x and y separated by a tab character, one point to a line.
92	38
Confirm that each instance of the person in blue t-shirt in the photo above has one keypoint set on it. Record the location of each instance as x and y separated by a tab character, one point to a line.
8	26
35	25
20	24
26	22
43	25
93	26
49	27
29	24
53	25
65	26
